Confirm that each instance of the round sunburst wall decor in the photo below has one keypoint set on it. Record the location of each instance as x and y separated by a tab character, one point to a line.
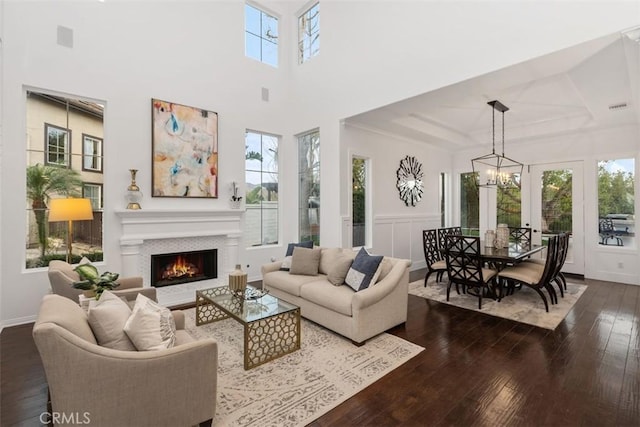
410	180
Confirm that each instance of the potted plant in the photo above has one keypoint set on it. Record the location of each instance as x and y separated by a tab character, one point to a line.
94	283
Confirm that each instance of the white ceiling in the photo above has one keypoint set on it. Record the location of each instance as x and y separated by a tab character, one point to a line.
564	92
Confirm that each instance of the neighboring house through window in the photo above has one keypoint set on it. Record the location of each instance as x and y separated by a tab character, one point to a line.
91	153
261	35
93	192
58	148
309	34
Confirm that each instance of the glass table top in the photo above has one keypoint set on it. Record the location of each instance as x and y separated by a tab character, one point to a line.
248	308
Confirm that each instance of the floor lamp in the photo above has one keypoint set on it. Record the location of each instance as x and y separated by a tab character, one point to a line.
70	210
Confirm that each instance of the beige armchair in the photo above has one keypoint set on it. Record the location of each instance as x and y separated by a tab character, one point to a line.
62	276
173	387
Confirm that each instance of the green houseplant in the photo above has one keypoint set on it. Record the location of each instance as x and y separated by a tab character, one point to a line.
93	282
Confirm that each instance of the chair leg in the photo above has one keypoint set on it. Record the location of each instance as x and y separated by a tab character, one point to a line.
552	293
564	280
559	284
544	299
449	288
427	278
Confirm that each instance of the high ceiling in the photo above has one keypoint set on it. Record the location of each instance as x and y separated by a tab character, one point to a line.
590	86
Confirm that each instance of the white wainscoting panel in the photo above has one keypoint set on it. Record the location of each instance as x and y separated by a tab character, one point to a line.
400	236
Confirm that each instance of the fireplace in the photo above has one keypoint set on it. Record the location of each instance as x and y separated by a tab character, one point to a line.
183	267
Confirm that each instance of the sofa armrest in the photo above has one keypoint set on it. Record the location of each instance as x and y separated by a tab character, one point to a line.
272	266
129	282
377	292
128	387
131	294
178	318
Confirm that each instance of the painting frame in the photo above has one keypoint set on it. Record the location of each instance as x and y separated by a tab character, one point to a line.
184	151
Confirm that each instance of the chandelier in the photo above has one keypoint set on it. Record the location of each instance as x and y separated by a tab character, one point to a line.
496	169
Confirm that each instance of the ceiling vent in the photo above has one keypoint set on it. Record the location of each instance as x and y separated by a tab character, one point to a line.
618	106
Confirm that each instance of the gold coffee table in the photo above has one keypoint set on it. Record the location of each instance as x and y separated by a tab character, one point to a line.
271	326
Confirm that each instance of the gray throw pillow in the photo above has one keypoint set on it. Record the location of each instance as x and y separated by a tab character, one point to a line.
286	263
338	272
305	261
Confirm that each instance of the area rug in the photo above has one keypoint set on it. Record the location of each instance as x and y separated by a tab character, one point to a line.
299	387
525	305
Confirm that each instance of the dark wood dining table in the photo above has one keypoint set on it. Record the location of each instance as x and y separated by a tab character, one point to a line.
512	254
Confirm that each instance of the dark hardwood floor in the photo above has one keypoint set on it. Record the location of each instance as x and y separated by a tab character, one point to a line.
475	369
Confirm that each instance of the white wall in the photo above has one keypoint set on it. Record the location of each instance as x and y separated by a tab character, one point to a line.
396	227
372	53
124	54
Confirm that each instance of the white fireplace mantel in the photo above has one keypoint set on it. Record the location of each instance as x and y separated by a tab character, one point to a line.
140	225
146	229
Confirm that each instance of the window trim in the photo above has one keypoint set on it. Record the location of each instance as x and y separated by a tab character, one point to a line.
66	154
100	155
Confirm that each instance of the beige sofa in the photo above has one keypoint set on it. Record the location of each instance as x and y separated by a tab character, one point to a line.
107	387
355	315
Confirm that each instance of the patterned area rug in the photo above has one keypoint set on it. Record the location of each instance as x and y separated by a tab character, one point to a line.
299	387
525	305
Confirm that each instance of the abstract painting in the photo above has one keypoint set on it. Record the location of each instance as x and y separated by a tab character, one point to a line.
185	151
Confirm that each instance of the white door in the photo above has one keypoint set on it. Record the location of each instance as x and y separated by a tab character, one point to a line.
557	205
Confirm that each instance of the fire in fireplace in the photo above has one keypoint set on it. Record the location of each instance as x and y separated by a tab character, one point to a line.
183	267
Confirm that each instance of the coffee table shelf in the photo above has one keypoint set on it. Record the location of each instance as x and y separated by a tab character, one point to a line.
271	326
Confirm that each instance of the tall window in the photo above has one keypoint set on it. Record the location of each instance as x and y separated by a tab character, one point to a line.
508	203
91	153
309	34
261	177
261	36
359	201
57	145
59	166
469	204
309	186
616	202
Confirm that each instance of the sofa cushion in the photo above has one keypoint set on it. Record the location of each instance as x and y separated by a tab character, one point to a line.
289	283
385	267
363	270
305	261
327	259
338	272
323	293
286	263
107	318
150	326
66	314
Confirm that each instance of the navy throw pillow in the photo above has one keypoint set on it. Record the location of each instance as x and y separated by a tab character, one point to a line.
362	270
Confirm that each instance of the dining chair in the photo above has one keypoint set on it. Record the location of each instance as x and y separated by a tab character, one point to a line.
537	278
465	268
432	255
520	234
560	258
447	231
